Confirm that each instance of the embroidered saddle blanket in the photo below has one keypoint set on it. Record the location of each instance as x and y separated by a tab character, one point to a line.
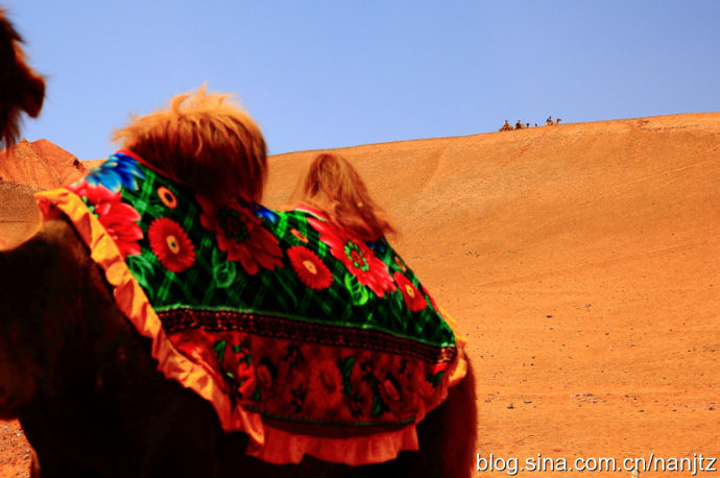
304	337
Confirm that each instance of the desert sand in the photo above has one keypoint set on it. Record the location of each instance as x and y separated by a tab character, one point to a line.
582	262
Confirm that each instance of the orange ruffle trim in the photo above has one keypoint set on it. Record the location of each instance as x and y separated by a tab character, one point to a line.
267	443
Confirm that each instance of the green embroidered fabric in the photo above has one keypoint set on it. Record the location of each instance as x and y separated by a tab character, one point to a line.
304	322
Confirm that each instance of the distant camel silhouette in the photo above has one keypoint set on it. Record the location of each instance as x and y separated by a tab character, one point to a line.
519	125
506	127
550	122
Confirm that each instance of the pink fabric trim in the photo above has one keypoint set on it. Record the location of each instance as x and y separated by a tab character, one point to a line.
283	447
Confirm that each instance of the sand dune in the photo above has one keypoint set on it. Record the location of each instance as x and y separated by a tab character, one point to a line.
582	262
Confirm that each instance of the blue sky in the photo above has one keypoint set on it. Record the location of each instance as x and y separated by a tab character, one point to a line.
320	73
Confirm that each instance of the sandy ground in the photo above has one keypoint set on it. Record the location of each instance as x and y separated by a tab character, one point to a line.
582	262
14	451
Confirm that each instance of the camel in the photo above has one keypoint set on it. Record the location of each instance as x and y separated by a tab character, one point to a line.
550	122
87	392
87	387
22	90
506	127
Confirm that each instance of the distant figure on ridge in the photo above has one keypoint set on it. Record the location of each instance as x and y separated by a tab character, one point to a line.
550	122
506	126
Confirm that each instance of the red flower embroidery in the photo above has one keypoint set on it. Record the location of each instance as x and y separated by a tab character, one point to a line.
325	398
118	218
171	244
413	298
310	268
264	376
357	257
240	233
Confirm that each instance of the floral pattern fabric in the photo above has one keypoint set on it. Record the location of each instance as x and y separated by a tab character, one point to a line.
295	318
